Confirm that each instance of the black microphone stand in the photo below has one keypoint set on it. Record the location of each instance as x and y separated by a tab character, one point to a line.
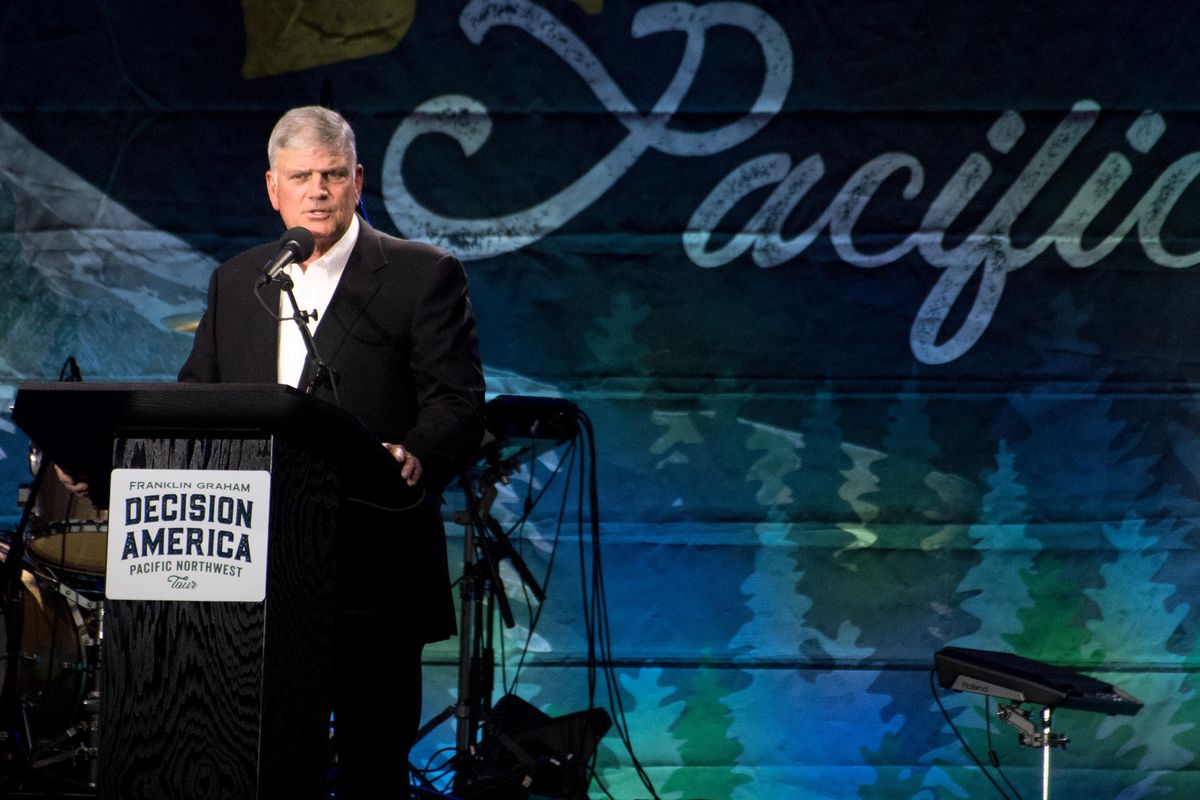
322	374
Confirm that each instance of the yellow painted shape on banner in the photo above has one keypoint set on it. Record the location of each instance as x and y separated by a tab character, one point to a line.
289	35
592	7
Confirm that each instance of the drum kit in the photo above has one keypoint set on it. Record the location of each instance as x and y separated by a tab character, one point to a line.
50	645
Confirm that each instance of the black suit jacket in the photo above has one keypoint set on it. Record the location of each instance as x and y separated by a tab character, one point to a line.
400	335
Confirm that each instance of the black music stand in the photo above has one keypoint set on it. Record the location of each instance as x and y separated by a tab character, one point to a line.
207	699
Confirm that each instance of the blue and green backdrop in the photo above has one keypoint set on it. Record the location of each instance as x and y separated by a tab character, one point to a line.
885	315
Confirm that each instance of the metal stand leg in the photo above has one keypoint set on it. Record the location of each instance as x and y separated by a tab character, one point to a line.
477	589
464	731
92	704
1047	743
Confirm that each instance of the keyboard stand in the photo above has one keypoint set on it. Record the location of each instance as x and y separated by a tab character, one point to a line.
1031	737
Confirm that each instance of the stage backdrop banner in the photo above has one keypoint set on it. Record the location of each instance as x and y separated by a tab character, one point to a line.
884	314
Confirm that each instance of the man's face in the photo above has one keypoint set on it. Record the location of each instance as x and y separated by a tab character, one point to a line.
316	189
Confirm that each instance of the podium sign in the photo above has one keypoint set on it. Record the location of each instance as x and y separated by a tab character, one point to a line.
178	535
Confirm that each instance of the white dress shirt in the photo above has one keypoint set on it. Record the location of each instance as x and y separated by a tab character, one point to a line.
314	287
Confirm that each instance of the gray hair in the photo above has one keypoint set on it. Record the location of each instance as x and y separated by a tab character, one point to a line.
312	126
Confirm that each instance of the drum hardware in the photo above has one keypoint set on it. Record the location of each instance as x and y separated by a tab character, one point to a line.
51	675
49	653
58	728
35	464
36	660
70	734
76	601
92	706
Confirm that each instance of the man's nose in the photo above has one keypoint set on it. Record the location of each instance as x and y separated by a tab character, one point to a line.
318	185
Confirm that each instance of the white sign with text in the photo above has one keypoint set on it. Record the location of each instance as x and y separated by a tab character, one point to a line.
185	534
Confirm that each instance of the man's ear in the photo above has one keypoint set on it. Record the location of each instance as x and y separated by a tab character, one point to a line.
272	190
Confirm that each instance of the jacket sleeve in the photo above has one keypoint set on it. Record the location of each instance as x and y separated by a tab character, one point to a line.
201	364
447	375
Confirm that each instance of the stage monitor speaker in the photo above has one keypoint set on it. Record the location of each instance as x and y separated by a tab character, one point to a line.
526	753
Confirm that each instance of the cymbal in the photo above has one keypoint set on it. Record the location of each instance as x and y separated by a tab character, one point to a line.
183	323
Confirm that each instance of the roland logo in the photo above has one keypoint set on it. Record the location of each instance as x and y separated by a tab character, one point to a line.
964	684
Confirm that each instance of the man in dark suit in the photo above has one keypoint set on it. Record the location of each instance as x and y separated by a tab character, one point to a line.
395	325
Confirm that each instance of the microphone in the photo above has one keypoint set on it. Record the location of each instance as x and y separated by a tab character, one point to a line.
297	244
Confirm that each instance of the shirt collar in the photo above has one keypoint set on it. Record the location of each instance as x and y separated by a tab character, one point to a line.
335	258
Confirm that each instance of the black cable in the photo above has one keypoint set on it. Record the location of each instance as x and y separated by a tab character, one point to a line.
588	630
504	660
599	782
982	768
530	502
517	529
440	769
987	726
569	458
388	509
600	609
581	455
529	506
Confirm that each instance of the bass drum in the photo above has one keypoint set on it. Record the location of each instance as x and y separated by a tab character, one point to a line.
52	663
67	533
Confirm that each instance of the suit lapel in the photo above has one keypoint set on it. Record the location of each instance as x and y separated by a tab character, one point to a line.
355	290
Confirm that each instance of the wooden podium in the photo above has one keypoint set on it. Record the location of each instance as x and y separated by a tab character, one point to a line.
221	699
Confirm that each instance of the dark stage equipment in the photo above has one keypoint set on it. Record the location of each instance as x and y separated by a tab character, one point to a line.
526	752
511	750
1022	680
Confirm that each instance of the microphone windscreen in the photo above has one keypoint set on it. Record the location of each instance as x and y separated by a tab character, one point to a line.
300	241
